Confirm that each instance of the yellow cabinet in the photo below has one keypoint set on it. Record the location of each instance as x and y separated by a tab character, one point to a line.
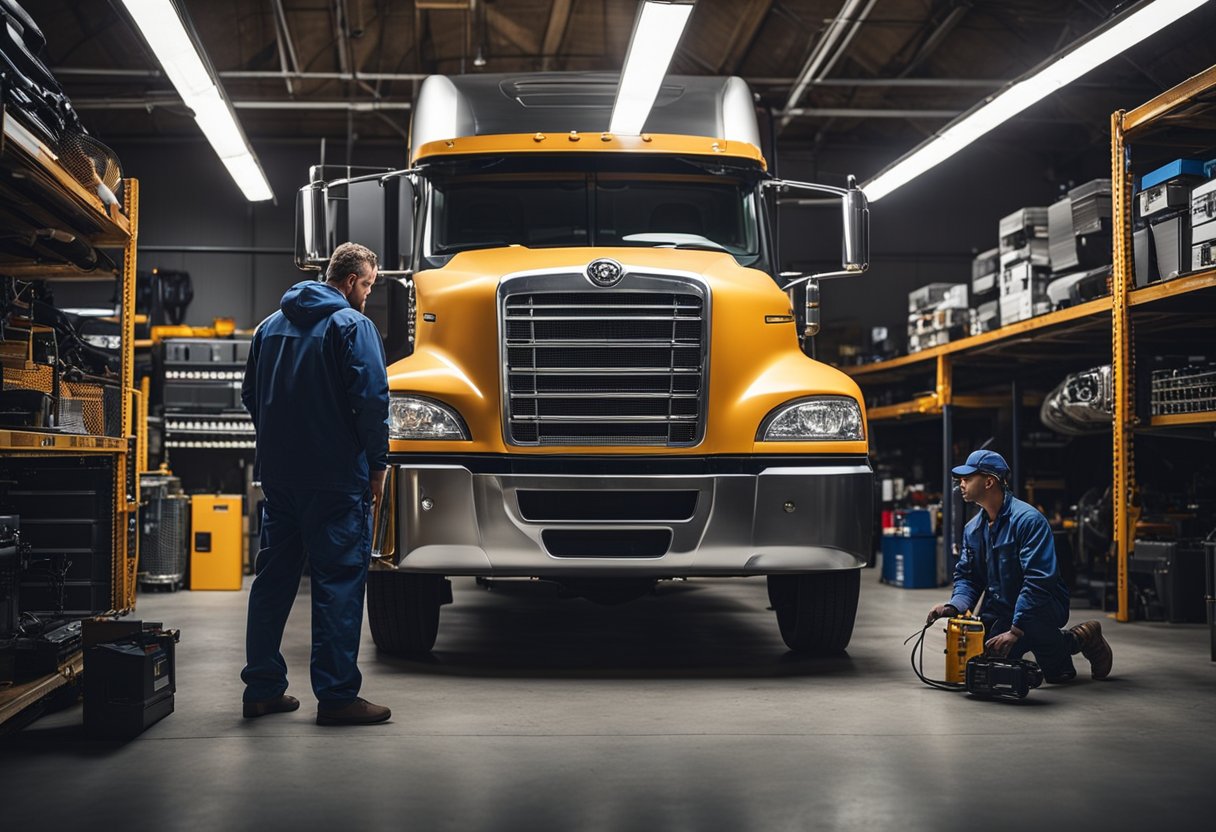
216	541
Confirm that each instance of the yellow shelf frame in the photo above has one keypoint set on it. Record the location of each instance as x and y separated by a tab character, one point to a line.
17	698
26	442
1182	419
986	340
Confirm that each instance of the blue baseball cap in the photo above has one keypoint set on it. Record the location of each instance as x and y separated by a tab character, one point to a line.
983	462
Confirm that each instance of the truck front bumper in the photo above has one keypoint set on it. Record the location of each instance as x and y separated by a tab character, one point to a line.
511	516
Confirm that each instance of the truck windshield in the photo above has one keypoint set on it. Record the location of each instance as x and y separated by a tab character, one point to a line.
594	209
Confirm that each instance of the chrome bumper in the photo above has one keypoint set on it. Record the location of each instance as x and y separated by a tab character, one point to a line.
785	518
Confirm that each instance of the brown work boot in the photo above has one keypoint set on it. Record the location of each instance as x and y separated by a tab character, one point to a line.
1094	648
279	705
359	712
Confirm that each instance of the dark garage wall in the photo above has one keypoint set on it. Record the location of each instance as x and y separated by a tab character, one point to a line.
922	233
925	232
188	201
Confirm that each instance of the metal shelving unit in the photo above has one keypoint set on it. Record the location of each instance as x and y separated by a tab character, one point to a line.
62	202
1136	311
1101	330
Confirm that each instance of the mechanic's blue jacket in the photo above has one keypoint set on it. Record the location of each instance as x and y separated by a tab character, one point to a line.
317	390
1013	559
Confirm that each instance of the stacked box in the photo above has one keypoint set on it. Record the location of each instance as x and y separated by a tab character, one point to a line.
985	275
1203	226
937	314
1025	265
986	317
1023	292
1164	206
1079	228
1024	238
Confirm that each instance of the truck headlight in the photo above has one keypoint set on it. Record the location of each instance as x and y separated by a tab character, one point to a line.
413	417
813	419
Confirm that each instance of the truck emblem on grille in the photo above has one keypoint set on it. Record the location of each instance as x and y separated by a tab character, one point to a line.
605	272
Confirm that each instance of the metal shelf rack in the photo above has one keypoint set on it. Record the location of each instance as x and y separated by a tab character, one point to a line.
61	201
1101	330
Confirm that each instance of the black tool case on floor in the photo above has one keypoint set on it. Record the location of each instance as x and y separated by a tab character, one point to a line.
129	682
1175	569
1209	557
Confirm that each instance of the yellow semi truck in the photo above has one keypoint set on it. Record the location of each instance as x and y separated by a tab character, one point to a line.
606	384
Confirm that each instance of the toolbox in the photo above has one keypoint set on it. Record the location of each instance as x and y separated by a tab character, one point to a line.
129	682
1176	569
1176	193
1203	203
1203	241
1175	169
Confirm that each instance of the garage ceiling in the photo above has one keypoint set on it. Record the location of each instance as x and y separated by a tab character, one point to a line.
347	70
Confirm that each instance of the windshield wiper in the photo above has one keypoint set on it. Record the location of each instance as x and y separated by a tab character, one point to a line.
676	240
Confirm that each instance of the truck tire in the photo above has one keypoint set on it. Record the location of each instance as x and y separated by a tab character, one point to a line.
403	610
816	612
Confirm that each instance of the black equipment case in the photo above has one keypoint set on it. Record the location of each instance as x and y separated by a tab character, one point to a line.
129	682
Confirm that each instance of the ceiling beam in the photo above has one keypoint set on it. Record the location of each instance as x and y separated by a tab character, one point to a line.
149	103
860	112
758	81
517	35
935	38
555	32
828	49
748	21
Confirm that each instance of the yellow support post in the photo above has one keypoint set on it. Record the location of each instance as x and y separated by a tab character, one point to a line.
126	558
1124	484
945	380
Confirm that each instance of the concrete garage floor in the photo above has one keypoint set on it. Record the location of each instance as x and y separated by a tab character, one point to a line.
681	711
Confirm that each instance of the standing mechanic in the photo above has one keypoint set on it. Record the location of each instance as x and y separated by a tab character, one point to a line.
1008	552
317	389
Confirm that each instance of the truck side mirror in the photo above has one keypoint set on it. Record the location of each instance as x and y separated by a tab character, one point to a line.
380	215
376	210
312	250
856	215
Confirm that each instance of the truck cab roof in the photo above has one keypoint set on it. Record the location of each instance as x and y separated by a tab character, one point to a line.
462	106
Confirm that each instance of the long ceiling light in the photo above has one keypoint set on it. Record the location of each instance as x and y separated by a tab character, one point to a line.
1098	48
163	29
655	36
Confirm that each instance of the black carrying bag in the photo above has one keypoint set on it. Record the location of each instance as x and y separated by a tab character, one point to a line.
29	86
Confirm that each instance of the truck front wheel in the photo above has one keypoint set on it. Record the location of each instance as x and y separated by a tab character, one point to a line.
403	610
816	612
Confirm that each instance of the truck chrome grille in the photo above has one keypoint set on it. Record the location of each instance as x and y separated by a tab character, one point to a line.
607	367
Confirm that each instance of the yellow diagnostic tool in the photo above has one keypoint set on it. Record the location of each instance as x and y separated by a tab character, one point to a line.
964	639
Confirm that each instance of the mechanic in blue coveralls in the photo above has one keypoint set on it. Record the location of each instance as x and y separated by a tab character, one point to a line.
317	390
1008	552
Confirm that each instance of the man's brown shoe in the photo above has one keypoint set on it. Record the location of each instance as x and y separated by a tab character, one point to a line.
359	712
1094	648
278	705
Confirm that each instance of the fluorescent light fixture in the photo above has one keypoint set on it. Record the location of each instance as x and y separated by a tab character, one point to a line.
166	34
1110	41
655	36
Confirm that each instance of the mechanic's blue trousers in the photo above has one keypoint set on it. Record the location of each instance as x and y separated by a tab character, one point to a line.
1053	648
334	529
